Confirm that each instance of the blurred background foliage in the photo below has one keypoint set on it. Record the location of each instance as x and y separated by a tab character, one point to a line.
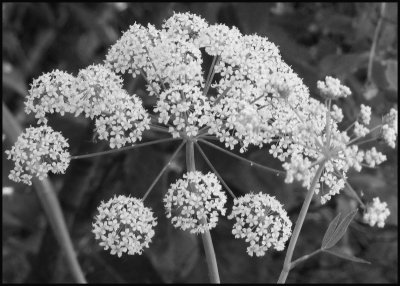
316	39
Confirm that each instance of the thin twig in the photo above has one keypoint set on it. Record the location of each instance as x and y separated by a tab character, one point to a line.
210	76
251	163
299	224
163	170
375	42
222	95
124	148
304	258
206	236
214	170
159	128
369	132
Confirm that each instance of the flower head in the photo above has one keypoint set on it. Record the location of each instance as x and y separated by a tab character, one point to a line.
390	128
376	212
37	151
332	88
186	107
120	118
124	225
96	87
49	93
185	26
315	139
261	220
194	202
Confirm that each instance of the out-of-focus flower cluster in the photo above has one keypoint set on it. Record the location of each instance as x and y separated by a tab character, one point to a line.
38	150
124	225
331	88
261	220
389	128
195	202
376	212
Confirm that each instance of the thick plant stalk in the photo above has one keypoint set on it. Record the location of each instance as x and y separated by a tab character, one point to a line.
50	204
299	224
206	236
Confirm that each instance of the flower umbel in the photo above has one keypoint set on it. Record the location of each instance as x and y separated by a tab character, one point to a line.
262	221
332	88
49	93
376	212
124	225
194	202
38	151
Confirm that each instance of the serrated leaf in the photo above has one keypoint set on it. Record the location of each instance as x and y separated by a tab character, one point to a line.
346	256
331	228
340	230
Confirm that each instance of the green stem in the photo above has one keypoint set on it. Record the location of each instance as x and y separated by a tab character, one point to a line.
375	42
369	132
304	258
124	148
159	128
210	76
251	163
49	202
163	170
214	170
206	236
299	224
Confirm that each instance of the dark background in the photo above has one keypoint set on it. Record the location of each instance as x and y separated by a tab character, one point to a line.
315	39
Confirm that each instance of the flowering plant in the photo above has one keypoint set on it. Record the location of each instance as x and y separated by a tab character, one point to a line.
249	97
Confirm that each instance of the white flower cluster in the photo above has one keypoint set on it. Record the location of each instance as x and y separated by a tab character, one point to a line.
186	26
389	128
119	117
247	109
373	157
96	93
124	225
261	220
376	212
316	137
49	93
194	202
186	106
332	88
37	151
365	114
238	100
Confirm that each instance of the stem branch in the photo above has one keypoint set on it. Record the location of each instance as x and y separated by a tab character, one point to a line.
375	42
214	170
50	204
299	224
124	148
243	159
206	236
163	170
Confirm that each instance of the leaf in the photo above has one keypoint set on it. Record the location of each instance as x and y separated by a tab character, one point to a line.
346	256
391	74
331	228
340	230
